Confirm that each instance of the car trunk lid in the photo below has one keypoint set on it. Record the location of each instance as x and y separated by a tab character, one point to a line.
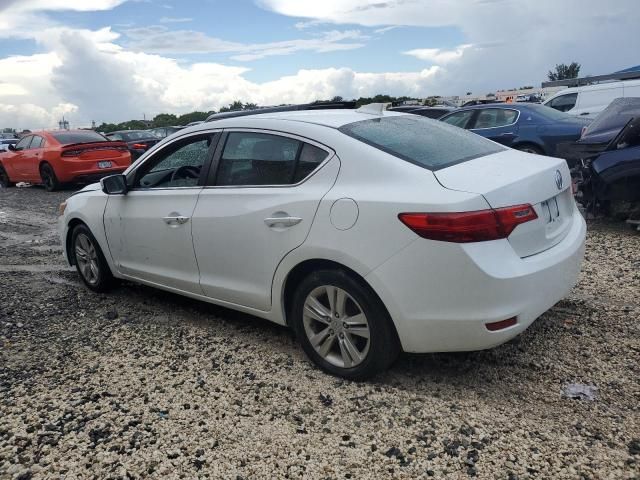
513	178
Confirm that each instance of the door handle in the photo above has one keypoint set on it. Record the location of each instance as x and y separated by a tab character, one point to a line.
585	113
177	220
284	221
505	134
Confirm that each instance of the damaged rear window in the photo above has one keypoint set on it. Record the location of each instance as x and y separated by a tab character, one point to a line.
421	141
613	118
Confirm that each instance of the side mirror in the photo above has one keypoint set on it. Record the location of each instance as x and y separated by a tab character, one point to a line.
114	184
12	147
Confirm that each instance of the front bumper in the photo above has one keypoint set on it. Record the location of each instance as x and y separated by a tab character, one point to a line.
440	295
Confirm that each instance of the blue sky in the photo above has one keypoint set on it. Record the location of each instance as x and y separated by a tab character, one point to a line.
113	60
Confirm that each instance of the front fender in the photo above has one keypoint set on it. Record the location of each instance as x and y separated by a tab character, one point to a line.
87	207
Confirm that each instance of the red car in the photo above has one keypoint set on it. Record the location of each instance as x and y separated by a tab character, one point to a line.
55	157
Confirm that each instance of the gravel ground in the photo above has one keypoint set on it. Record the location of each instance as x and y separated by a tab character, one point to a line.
145	384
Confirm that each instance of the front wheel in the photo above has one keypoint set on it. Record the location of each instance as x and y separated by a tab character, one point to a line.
5	181
343	326
90	262
49	179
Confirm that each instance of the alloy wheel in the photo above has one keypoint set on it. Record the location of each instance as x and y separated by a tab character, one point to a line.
87	259
47	180
336	326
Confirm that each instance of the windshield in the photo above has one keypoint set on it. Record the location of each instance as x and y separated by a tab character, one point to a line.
422	141
67	138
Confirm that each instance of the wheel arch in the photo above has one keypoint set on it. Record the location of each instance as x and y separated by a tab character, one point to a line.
305	268
524	143
73	223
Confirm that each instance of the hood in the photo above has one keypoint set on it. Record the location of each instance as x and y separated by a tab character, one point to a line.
89	188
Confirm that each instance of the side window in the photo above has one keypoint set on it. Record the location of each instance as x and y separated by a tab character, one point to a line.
459	119
252	159
564	103
38	142
115	136
310	158
23	144
179	165
495	117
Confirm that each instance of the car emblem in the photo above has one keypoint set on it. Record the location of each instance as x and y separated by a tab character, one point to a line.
558	180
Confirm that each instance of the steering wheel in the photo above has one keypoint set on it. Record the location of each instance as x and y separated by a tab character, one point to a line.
184	172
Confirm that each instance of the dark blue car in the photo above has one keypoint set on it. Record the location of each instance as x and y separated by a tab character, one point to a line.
528	127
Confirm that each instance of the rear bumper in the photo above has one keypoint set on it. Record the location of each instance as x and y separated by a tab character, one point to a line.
441	295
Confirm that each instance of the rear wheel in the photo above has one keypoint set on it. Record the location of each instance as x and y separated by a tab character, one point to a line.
343	326
5	181
529	148
49	179
90	262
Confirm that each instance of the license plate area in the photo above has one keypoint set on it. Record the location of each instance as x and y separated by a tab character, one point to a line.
105	164
551	210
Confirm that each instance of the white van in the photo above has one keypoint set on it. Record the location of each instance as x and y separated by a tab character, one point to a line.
589	101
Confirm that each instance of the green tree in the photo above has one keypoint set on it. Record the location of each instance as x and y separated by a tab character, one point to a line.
192	117
564	72
164	120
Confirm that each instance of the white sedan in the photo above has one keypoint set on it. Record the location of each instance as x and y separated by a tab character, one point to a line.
368	232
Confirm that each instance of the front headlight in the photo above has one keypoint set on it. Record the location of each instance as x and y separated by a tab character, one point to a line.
62	208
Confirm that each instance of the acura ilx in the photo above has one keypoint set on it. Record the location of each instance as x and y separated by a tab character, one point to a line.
368	232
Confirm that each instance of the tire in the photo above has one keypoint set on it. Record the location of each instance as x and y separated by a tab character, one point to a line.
5	181
90	262
335	339
49	179
529	148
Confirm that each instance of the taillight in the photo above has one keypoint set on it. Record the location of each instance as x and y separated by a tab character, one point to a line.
466	227
139	146
71	153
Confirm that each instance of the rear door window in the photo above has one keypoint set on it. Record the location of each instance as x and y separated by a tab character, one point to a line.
495	117
252	159
37	142
418	140
459	119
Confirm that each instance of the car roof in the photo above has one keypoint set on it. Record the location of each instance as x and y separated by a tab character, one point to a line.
334	118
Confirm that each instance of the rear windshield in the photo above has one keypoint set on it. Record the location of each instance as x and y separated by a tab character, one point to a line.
422	141
614	117
136	135
67	138
548	112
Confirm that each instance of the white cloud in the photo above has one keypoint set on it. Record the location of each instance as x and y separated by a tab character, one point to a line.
87	78
515	41
438	55
175	20
159	39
